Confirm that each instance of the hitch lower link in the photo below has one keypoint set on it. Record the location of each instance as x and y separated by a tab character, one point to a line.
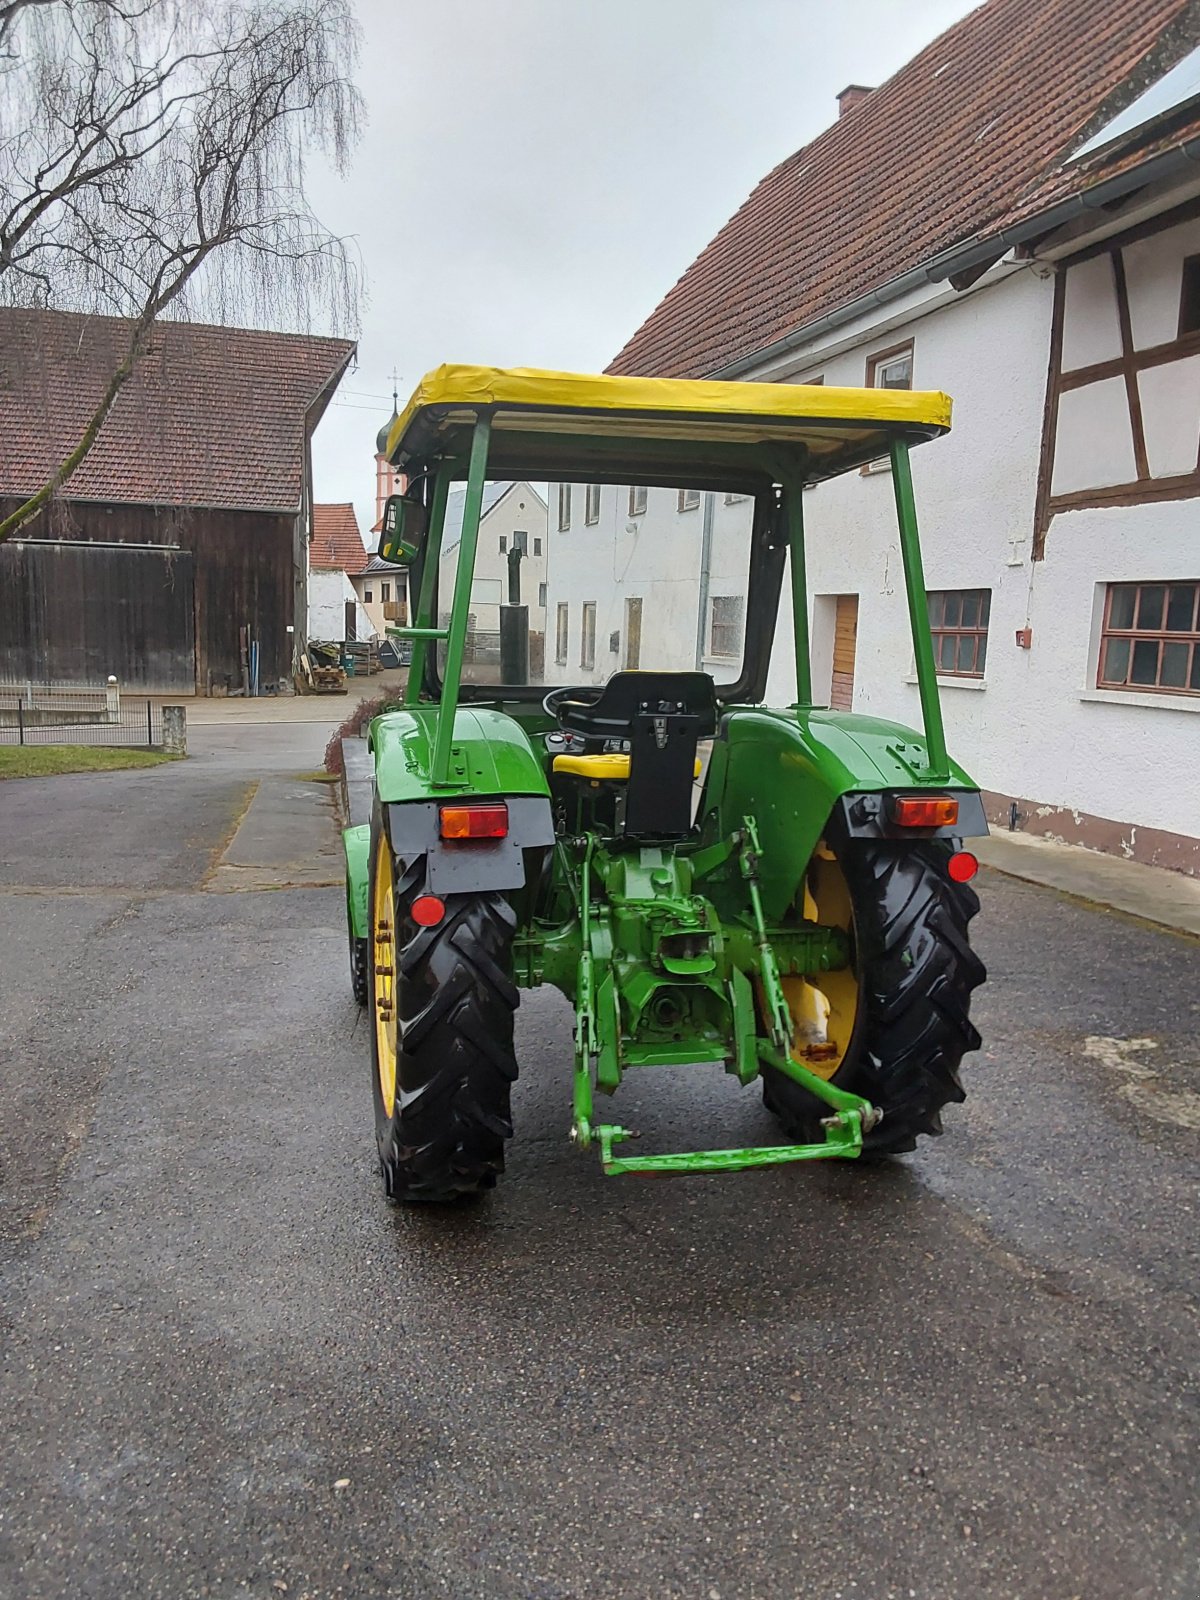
851	1117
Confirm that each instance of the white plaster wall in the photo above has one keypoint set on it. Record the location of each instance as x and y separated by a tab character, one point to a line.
522	507
1094	444
1134	758
370	614
327	596
1032	727
656	557
1170	396
1153	278
1091	325
1027	729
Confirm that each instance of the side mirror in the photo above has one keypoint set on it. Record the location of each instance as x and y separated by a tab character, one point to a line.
404	523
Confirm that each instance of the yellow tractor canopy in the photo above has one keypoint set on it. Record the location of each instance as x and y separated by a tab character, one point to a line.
575	426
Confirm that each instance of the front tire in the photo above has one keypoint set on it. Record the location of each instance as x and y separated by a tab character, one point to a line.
443	1001
915	972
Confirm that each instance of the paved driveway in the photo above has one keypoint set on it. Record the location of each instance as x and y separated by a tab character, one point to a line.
227	1368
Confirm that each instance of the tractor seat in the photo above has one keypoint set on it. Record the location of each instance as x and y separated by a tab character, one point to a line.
610	712
661	716
603	768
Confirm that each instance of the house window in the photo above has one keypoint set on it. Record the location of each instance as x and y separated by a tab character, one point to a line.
1189	298
1151	638
368	597
735	499
385	592
537	545
587	642
637	499
521	540
689	499
503	543
591	504
958	620
564	507
725	632
560	635
891	369
541	594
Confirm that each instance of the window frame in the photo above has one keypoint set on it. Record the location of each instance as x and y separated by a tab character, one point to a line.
639	496
503	544
564	508
562	633
591	504
1160	636
368	596
685	502
587	645
979	632
1189	296
537	544
739	623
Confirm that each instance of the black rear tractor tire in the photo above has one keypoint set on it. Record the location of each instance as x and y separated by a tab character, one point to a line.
915	971
444	1134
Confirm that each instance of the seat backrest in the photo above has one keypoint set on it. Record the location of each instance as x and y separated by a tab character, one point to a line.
626	695
663	715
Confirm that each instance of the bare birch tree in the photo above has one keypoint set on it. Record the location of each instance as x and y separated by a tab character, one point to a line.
152	158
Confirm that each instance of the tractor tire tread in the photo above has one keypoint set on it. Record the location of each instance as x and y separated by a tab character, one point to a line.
456	1061
919	971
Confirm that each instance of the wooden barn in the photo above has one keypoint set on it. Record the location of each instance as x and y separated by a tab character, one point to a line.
182	538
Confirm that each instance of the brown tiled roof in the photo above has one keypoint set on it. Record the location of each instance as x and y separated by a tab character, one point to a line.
960	137
336	542
212	416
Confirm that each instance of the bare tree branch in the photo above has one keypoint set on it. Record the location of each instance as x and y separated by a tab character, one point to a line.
152	158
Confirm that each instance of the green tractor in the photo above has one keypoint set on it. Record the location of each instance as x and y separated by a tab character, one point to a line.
781	890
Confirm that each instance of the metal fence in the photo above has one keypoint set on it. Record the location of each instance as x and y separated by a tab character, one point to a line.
48	714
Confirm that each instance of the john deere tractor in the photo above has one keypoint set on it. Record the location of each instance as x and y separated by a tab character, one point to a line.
779	889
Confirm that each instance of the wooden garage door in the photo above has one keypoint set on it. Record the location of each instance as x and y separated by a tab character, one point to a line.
845	638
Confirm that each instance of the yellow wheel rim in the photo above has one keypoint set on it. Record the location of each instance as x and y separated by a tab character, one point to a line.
824	1005
383	972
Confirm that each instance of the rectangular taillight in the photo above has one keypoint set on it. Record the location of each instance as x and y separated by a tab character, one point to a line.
479	821
924	811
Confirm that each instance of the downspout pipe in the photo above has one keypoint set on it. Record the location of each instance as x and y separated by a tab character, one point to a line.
975	252
706	539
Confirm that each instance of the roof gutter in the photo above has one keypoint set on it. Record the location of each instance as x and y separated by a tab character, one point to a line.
974	253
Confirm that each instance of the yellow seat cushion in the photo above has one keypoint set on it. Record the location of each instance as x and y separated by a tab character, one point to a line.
611	768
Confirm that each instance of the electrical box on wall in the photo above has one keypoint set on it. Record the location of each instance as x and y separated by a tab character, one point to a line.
1024	638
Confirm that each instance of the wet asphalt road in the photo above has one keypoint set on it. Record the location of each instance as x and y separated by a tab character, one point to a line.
228	1368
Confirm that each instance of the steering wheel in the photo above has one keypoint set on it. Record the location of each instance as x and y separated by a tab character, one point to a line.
589	693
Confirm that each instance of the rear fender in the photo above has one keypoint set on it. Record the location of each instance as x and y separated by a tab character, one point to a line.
356	842
490	754
491	758
792	770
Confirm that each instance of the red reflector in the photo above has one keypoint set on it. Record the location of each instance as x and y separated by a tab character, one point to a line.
962	867
924	811
475	822
428	910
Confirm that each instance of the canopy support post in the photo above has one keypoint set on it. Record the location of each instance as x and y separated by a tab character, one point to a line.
456	644
430	555
793	507
918	611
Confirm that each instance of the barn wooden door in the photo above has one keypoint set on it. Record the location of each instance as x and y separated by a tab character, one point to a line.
845	639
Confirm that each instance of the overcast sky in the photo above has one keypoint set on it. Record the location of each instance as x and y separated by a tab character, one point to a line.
535	174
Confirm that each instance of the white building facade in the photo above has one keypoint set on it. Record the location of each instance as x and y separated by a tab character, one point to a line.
1045	273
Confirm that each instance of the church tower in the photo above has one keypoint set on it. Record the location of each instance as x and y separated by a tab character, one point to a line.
387	480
